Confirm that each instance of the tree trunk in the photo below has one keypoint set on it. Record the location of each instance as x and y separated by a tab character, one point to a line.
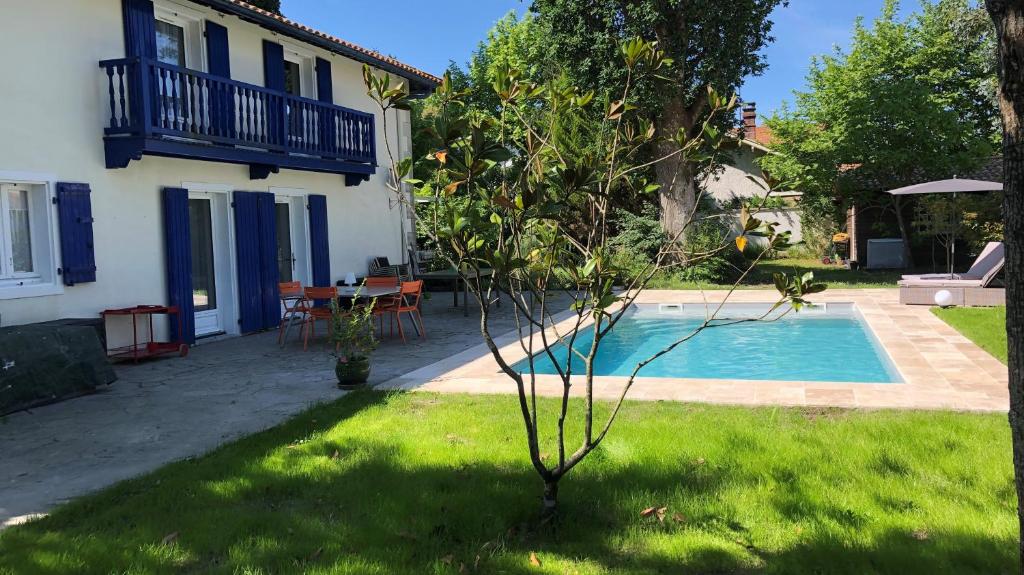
901	223
1008	16
678	193
550	497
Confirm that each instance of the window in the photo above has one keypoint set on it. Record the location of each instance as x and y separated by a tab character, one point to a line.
17	226
292	78
170	43
27	243
179	36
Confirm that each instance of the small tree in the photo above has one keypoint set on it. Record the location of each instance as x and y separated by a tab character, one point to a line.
538	215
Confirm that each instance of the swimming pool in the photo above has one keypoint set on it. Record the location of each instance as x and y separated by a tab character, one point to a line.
826	342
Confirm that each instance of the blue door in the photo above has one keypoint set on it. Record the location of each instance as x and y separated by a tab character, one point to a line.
256	255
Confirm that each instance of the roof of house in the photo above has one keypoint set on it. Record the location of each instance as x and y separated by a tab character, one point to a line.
761	134
990	171
419	81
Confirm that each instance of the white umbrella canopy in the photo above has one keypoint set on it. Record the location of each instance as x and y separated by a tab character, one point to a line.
950	186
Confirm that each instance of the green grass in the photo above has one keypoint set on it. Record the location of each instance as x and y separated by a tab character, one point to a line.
985	326
837	277
419	483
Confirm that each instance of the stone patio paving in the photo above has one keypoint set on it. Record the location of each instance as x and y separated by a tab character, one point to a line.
172	409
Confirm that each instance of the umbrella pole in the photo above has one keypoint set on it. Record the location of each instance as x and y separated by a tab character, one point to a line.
954	216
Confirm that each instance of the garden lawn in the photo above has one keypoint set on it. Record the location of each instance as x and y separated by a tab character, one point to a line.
985	326
837	277
419	483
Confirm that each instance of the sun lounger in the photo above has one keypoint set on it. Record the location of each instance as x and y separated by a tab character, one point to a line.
968	289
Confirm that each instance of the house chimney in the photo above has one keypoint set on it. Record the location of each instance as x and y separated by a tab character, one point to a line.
749	118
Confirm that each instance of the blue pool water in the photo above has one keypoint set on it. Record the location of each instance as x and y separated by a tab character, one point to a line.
835	347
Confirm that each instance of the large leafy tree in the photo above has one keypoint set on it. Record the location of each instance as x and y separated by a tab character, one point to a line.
1008	16
711	42
911	99
514	194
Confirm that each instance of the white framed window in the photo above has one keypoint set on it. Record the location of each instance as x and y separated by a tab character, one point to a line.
28	236
299	73
179	36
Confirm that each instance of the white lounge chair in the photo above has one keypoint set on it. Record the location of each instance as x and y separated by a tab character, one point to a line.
969	288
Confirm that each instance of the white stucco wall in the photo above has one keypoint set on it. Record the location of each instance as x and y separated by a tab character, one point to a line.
732	181
786	220
52	113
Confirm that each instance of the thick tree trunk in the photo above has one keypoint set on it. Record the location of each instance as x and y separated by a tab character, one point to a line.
901	223
678	193
550	497
1008	16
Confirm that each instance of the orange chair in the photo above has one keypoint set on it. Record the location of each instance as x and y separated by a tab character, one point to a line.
295	306
317	311
381	281
409	302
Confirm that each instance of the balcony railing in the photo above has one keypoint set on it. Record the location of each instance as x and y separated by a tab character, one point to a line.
151	99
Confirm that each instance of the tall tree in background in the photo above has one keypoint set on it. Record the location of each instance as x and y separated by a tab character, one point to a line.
1008	16
910	99
712	43
268	5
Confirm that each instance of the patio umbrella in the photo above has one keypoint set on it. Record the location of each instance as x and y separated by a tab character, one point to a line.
950	186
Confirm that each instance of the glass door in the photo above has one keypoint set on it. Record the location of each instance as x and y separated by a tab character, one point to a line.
285	252
204	270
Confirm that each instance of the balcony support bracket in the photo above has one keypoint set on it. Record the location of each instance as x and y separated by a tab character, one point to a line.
356	179
262	171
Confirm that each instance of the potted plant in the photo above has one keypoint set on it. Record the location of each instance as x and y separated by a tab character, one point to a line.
353	339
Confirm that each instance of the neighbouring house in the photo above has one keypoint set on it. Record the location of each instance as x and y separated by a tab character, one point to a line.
187	152
873	218
740	178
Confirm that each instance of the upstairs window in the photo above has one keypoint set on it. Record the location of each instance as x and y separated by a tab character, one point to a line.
170	43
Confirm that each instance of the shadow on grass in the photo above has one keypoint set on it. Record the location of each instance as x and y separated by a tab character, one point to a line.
291	500
831	274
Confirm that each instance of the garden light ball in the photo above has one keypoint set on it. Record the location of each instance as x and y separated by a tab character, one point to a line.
943	298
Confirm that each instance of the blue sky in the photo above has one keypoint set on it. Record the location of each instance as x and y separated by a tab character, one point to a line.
429	34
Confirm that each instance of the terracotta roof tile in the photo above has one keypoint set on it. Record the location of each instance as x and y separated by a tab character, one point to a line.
371	53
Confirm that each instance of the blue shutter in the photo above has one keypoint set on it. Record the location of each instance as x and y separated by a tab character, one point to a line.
325	93
74	209
319	247
217	56
178	240
222	99
139	28
273	65
270	299
324	82
247	242
273	78
256	257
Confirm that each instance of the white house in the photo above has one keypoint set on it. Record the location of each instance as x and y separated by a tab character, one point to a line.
740	178
190	153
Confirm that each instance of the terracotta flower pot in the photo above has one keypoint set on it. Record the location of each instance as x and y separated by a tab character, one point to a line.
353	371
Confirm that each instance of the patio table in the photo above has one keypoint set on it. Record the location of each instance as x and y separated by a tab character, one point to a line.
453	276
367	292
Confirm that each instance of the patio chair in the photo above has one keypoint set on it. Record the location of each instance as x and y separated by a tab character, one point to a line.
981	273
295	307
409	303
317	310
381	266
969	288
387	305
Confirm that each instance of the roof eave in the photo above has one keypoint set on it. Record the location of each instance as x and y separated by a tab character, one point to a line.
418	85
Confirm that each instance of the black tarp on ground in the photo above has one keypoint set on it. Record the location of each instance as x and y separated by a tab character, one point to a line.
44	363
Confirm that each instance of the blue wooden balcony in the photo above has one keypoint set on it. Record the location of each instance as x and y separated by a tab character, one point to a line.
164	110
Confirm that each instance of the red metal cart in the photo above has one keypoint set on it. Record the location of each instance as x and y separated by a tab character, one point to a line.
150	348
